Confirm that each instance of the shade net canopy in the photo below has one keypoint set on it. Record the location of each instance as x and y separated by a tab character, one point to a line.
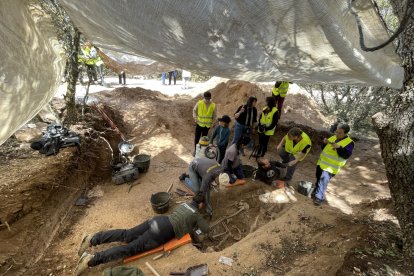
261	40
305	41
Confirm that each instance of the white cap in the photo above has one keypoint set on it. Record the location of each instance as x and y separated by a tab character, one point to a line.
224	179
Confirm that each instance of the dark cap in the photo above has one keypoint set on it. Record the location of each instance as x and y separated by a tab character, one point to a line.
207	95
226	119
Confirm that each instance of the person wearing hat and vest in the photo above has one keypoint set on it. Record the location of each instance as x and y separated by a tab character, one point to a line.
267	125
336	152
279	92
204	114
186	218
203	174
222	134
293	149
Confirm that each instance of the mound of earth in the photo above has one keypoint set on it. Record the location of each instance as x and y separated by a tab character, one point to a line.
266	239
297	107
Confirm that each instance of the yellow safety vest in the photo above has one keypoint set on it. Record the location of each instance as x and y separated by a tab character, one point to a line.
204	115
282	90
329	160
266	120
86	56
294	150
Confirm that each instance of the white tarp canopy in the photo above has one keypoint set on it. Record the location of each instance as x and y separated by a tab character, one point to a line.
261	40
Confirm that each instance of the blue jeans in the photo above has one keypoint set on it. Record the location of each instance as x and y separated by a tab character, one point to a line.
322	181
163	78
193	181
286	158
238	132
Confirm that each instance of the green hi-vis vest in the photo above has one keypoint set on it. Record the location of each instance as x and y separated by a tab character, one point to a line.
266	120
329	160
86	56
204	115
294	150
282	90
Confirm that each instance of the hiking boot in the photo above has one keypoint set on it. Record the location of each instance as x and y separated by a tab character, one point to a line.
83	263
317	201
85	244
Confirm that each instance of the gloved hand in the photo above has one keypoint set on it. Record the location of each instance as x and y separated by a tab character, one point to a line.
262	128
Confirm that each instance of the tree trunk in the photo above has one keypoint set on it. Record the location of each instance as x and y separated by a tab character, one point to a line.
395	129
73	72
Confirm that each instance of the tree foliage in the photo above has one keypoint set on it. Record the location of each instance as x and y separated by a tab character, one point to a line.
352	104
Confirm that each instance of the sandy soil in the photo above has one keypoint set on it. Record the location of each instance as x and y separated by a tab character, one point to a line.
290	239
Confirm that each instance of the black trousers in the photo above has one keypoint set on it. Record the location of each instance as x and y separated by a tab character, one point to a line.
263	141
172	74
221	153
146	236
122	77
200	131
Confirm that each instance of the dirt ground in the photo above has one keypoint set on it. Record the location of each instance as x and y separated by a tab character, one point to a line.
354	233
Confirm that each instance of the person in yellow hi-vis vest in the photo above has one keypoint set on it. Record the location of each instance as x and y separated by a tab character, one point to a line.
267	125
279	92
293	149
88	56
335	153
204	114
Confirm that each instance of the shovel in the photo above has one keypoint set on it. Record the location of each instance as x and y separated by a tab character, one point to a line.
197	270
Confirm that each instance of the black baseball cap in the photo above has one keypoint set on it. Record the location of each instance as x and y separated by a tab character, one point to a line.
225	118
207	95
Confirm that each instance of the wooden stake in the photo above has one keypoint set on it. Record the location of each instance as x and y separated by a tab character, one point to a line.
169	188
152	269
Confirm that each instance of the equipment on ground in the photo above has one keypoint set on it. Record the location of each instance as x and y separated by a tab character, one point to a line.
142	162
55	137
160	202
123	170
305	188
211	152
197	270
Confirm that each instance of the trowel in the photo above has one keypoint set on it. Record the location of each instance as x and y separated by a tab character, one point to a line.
197	270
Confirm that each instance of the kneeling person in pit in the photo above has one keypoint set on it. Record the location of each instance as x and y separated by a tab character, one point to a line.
231	163
203	174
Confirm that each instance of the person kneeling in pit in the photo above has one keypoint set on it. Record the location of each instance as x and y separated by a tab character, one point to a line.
293	149
231	163
154	232
270	171
203	174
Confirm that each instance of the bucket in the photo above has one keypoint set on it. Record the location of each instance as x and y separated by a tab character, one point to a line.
142	162
248	170
160	202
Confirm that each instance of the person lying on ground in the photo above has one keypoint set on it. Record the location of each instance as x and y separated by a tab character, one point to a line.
203	174
231	163
154	232
293	149
270	171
